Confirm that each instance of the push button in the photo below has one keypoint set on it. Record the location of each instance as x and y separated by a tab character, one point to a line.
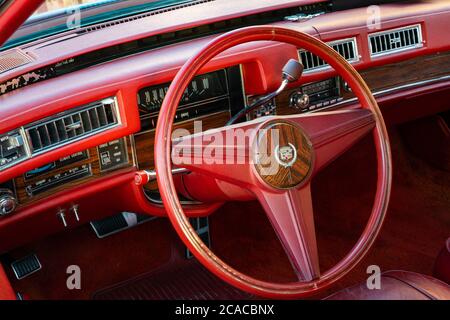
113	155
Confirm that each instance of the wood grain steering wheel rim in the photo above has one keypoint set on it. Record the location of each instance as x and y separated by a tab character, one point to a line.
163	149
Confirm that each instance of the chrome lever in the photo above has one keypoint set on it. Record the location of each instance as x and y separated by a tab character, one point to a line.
74	209
292	71
145	176
62	216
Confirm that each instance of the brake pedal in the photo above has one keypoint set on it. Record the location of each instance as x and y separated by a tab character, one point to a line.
201	226
26	266
120	222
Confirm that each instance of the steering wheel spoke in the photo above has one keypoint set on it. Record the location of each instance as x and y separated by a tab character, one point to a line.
291	215
222	153
332	133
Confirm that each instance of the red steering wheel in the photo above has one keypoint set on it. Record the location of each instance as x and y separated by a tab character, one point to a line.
304	144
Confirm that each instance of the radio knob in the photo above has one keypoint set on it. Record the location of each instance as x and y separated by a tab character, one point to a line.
299	100
8	202
347	87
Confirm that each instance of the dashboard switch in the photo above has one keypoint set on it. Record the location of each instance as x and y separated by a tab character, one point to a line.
62	216
12	149
113	155
74	209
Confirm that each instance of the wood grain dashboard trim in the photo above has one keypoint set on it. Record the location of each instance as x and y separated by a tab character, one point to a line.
144	141
93	161
388	78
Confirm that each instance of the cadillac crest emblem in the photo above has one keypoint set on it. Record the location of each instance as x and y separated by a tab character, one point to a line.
286	155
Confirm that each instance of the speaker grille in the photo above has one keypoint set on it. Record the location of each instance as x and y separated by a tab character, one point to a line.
13	59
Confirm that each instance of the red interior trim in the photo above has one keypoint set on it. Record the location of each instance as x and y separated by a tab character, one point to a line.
14	14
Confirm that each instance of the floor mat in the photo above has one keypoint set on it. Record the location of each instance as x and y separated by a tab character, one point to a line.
103	262
187	280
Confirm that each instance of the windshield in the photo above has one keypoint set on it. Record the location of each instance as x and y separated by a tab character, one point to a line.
54	5
57	16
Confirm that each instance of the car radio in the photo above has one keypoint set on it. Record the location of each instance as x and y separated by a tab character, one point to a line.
316	95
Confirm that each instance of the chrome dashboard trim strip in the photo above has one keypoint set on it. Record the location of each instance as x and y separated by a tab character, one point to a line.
385	92
133	151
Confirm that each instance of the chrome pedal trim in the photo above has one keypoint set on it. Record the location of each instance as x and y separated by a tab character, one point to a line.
26	266
117	223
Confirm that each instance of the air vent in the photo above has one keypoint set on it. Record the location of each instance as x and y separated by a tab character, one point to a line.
395	40
73	125
345	47
13	59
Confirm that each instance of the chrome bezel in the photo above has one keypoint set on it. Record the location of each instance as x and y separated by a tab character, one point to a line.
396	50
116	113
331	44
20	131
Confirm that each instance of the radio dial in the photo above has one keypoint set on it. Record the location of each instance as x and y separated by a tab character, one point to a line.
299	100
8	202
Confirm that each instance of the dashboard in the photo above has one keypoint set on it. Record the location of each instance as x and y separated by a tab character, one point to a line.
72	137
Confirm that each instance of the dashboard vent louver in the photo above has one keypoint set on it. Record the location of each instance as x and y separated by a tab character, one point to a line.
72	125
395	40
346	48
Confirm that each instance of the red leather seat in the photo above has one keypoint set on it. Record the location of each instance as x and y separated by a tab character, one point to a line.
398	285
442	265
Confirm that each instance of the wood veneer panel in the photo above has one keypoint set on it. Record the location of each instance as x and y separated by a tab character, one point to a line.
388	76
21	183
144	142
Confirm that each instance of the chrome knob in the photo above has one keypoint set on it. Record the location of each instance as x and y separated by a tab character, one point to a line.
347	87
8	202
299	100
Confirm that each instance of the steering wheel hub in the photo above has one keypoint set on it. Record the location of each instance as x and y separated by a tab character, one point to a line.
283	155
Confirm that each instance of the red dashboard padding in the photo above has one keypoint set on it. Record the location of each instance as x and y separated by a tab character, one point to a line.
6	291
